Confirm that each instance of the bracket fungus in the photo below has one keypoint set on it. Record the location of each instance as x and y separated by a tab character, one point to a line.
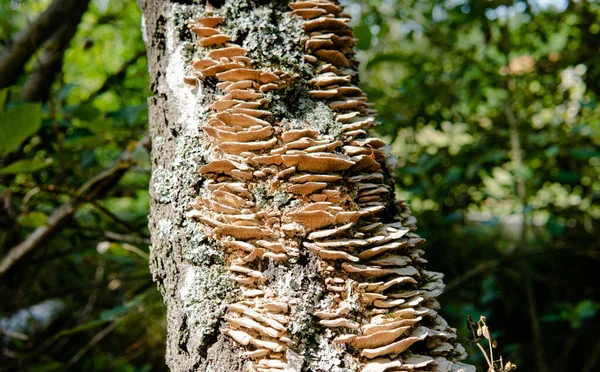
380	300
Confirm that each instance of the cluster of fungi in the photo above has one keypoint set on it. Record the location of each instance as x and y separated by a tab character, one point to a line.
380	299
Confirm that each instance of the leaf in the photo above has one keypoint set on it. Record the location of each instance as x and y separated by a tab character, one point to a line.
567	177
32	219
64	91
26	166
585	309
584	153
17	124
130	114
552	151
364	35
3	94
86	112
117	311
80	328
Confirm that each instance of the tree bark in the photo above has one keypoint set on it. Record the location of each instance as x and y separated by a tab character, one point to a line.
276	241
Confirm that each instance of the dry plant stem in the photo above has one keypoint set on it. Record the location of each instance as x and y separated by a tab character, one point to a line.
480	329
591	361
487	359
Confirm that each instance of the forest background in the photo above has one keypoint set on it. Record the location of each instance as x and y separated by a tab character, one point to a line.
491	107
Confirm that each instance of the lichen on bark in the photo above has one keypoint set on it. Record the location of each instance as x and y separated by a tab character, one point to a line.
279	246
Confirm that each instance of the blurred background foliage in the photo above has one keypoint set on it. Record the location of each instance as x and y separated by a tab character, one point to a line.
490	106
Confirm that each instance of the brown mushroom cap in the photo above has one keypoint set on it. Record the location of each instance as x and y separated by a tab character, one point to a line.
239	74
318	163
309	13
203	31
329	7
214	40
324	23
210	21
334	57
227	52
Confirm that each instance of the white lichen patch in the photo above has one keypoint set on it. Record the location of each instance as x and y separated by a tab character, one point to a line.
204	294
272	36
321	117
306	113
186	101
164	228
161	182
328	356
157	142
196	250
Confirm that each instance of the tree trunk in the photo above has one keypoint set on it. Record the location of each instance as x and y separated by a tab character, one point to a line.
276	241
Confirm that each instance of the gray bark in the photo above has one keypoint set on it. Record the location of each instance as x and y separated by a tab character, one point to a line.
193	259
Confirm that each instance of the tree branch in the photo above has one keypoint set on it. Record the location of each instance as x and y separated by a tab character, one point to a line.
92	190
117	78
39	82
15	55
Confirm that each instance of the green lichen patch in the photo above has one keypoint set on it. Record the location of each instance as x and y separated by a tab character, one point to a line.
281	198
297	110
181	15
164	228
205	294
271	35
161	182
327	356
321	118
198	249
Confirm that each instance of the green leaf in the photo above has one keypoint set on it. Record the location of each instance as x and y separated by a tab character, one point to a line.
3	94
32	220
117	311
86	112
17	124
585	309
26	166
364	35
584	153
80	328
552	151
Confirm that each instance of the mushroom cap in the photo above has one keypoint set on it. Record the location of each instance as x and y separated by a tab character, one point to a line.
203	31
210	21
239	74
334	57
214	40
309	13
317	162
228	52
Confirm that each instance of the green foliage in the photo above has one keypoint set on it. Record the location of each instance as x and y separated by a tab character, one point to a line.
17	124
26	166
98	262
575	314
492	109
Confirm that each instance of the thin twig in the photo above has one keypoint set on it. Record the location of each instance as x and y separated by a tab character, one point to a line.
99	336
92	190
115	218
